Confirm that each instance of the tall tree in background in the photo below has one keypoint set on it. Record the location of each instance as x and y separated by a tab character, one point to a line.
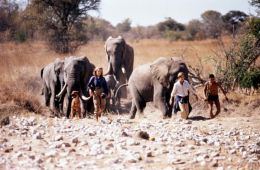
124	26
213	23
234	20
8	14
64	20
194	29
170	25
256	3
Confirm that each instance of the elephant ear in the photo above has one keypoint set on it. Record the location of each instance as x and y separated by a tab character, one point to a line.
58	66
160	72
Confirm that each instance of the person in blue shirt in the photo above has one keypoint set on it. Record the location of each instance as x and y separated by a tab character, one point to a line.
97	87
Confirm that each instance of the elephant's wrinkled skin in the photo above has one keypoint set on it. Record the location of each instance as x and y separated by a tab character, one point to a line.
120	58
154	82
53	81
77	72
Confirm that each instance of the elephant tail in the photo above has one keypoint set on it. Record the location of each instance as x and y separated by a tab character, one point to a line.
123	85
42	72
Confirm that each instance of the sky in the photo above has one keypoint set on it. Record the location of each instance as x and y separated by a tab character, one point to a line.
150	12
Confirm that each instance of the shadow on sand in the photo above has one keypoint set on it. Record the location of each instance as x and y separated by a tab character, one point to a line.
198	118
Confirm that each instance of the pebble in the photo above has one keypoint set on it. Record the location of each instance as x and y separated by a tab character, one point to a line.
60	143
75	140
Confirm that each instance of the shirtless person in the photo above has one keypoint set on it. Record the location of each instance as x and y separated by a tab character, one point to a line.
211	94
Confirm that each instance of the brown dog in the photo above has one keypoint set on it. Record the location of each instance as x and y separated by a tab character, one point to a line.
75	105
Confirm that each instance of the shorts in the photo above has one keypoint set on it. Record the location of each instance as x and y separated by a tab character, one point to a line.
99	102
182	100
213	98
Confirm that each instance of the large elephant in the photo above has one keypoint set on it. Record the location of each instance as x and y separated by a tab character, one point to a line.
77	72
154	82
53	81
120	58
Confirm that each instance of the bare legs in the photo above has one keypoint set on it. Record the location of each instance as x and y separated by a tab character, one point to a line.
184	107
210	105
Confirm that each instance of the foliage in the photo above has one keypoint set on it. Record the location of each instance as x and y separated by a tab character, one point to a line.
254	27
212	23
239	60
233	20
170	25
124	26
8	14
250	79
194	29
256	3
62	18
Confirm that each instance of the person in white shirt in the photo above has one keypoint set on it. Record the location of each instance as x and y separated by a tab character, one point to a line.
181	90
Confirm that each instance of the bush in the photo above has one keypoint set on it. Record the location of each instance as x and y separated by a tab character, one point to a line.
22	96
250	79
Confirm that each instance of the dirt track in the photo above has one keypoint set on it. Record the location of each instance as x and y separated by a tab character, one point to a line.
230	141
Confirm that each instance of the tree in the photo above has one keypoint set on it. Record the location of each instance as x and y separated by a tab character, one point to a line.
256	3
8	15
63	18
213	23
194	29
170	25
125	26
233	20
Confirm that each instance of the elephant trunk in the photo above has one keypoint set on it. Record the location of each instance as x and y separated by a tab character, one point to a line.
62	91
109	69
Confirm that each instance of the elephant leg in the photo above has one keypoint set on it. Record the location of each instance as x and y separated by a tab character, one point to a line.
47	96
139	105
133	110
53	104
68	105
161	105
60	105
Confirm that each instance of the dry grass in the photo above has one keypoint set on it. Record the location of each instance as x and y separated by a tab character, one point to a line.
20	64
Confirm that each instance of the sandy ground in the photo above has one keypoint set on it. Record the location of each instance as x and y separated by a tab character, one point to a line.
230	141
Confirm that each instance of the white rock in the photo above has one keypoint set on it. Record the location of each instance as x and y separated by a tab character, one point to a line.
58	138
38	135
132	142
51	153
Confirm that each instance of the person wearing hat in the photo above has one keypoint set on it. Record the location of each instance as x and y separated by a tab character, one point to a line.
181	91
211	95
98	88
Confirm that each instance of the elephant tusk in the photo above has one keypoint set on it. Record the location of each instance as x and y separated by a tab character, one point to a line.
62	91
123	70
85	98
123	85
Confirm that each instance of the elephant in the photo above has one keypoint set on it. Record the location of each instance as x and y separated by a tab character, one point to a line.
120	58
77	72
112	84
154	82
53	81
